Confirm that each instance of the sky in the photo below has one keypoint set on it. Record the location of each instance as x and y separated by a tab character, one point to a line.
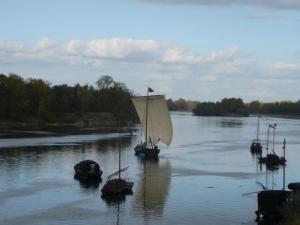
201	50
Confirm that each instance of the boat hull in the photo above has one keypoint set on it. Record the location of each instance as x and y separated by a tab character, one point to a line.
256	148
270	202
87	171
140	150
272	160
116	187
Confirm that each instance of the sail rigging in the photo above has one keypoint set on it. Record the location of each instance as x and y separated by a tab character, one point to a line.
155	118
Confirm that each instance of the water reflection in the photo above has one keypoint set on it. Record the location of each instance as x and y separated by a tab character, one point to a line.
112	201
231	122
115	202
93	184
206	152
153	187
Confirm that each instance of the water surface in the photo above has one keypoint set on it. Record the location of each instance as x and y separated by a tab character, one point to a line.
200	178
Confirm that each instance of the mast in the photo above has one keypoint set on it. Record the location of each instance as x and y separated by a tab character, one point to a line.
273	127
283	184
257	128
274	138
158	125
268	139
146	133
119	155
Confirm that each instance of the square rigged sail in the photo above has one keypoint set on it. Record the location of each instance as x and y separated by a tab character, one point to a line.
158	124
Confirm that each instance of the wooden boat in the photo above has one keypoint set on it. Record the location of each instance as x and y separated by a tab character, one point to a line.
256	146
295	186
272	160
156	123
115	185
87	171
269	204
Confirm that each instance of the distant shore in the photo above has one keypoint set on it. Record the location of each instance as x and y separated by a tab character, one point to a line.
87	124
281	116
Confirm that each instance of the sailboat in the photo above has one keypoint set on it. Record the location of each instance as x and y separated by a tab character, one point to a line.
256	146
156	122
271	201
272	160
115	185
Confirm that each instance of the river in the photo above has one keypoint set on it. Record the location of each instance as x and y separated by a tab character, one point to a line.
199	179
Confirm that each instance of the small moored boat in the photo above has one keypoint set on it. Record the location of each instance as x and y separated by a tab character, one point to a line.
117	186
87	171
256	146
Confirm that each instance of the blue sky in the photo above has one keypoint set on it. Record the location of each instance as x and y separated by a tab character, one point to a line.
195	49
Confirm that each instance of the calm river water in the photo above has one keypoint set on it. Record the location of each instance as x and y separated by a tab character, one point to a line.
199	179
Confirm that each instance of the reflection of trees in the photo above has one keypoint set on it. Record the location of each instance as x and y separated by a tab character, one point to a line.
108	144
56	160
231	123
153	188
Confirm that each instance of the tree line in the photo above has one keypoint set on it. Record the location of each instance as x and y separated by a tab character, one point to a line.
236	107
181	105
25	99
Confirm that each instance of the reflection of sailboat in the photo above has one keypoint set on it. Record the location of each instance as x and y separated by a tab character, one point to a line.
156	122
115	185
153	188
256	146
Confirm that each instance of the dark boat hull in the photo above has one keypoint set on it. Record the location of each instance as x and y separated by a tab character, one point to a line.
272	160
140	150
294	186
87	171
270	202
117	187
256	147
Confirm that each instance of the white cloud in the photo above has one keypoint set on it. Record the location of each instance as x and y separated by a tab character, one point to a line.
117	48
277	4
226	72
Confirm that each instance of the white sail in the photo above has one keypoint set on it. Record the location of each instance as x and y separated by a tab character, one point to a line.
159	125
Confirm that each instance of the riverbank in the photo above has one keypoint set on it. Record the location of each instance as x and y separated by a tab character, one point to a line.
69	124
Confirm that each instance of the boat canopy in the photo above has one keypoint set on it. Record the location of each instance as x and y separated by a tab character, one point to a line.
159	124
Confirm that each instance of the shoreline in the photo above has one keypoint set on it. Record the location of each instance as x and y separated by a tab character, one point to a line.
35	128
70	124
62	131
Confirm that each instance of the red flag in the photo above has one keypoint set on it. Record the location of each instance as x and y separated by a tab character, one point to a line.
150	89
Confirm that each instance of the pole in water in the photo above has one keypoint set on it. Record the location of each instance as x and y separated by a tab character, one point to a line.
257	128
274	129
119	153
283	184
268	139
146	133
284	142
